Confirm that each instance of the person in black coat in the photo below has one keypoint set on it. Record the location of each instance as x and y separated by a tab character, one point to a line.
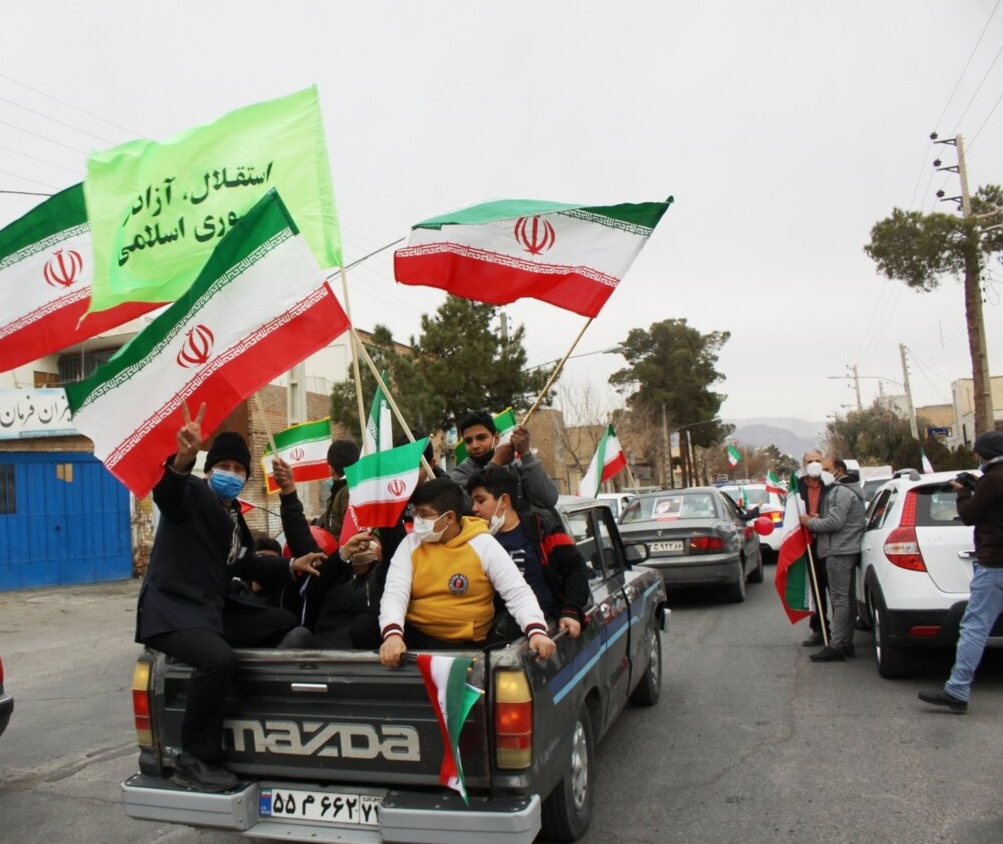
548	558
195	603
343	601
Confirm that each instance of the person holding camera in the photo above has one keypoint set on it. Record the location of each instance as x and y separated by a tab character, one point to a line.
979	504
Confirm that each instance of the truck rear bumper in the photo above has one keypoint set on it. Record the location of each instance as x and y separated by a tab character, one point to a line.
405	816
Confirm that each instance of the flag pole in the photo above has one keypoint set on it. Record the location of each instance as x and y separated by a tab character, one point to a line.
812	574
555	373
355	338
264	421
390	398
356	346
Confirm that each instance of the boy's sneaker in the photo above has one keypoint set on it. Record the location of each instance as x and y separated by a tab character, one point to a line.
192	773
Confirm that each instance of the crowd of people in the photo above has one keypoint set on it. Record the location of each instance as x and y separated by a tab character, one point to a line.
477	558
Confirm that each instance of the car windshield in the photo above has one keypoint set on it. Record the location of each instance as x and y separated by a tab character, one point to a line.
669	506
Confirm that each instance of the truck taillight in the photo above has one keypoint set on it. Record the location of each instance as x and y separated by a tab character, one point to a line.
141	703
513	720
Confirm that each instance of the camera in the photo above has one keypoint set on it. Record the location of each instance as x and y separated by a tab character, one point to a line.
966	479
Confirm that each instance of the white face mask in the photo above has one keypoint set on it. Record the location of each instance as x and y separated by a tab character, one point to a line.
813	469
828	478
496	522
425	530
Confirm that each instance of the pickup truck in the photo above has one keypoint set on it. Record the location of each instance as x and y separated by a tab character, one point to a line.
332	746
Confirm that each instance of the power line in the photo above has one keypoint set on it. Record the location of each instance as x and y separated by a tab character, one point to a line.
977	89
967	63
82	110
44	138
57	120
984	122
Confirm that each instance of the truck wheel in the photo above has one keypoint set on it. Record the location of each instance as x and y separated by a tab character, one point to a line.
647	692
568	809
891	662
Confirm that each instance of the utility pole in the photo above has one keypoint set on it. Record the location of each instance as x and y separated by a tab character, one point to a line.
984	415
856	386
908	394
667	446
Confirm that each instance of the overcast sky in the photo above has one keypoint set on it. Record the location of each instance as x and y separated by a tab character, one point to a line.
784	130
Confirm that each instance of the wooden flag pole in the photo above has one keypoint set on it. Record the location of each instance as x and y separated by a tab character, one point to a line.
390	399
356	345
264	421
555	373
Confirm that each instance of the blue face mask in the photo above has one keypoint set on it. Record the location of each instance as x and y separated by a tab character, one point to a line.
227	485
328	484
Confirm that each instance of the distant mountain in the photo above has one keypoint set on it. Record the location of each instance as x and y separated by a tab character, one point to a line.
790	436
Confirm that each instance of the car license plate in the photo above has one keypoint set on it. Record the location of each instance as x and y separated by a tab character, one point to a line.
673	547
332	806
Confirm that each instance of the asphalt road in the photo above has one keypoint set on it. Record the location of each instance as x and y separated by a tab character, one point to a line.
750	742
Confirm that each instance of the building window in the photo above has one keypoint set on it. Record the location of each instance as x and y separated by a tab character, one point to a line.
76	367
8	500
46	379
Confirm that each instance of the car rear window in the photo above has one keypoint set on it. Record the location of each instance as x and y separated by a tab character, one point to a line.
936	506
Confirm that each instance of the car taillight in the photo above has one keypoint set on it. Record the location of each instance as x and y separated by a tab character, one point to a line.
706	544
777	517
902	549
141	703
513	720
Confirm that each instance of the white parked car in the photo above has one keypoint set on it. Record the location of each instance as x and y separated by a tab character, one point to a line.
915	569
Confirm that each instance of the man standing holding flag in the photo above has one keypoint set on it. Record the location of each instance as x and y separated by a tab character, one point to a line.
840	530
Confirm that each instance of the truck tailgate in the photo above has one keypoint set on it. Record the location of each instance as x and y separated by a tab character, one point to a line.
332	716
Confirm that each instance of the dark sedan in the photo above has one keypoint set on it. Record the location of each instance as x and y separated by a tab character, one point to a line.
696	537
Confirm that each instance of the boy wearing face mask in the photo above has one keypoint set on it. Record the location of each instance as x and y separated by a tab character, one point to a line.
549	560
188	608
443	578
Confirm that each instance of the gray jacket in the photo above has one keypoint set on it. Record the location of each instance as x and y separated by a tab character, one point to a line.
536	489
840	527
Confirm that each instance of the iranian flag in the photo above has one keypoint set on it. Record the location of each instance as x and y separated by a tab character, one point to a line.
379	427
734	455
505	424
452	698
773	485
572	256
304	448
380	484
45	282
606	462
792	579
260	306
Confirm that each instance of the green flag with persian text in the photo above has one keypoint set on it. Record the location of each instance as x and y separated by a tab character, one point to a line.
157	210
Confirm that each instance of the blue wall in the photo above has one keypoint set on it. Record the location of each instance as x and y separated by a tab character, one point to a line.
69	521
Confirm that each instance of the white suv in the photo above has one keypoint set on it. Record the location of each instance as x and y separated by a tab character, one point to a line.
915	569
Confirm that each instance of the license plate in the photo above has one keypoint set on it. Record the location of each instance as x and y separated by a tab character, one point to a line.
676	546
341	807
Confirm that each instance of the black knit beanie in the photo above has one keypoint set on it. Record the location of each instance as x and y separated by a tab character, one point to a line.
229	445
